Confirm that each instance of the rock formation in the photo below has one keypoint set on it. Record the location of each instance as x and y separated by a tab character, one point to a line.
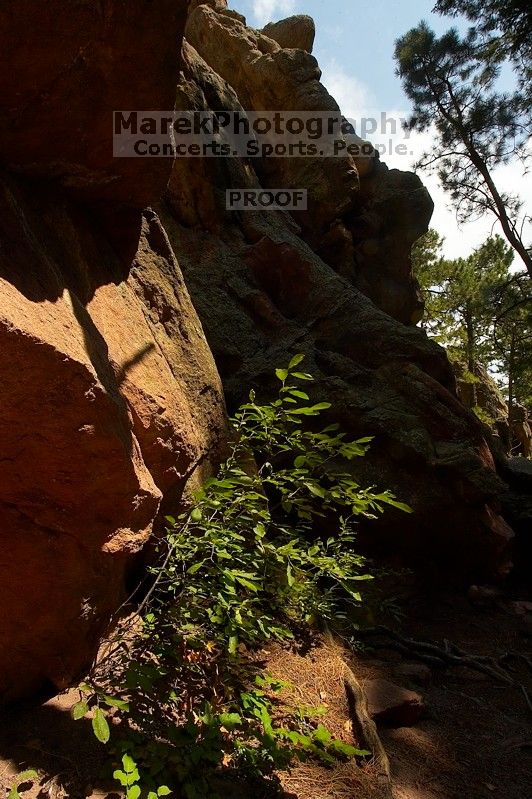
64	69
111	408
294	33
335	283
362	218
110	402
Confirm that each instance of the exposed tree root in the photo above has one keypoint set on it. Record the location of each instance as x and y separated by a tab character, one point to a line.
365	727
449	655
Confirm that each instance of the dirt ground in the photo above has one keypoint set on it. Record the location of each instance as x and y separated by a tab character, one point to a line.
474	743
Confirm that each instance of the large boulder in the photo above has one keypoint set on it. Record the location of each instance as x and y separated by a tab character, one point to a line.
293	33
396	212
267	77
362	218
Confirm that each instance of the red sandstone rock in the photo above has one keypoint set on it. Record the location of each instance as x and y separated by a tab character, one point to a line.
65	68
109	402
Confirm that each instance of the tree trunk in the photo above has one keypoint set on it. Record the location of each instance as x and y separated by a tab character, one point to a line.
499	207
511	367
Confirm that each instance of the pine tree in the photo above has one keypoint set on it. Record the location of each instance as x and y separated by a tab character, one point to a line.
502	31
452	85
480	311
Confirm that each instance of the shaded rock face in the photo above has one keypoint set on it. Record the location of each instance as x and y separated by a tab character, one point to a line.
268	285
111	408
64	69
362	218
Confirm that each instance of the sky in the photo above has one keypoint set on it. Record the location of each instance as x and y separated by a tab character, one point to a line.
354	48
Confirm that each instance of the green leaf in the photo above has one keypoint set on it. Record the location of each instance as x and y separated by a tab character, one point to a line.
196	567
296	360
29	775
195	515
347	750
133	792
317	490
128	764
247	583
259	530
120	777
79	710
302	376
230	720
311	410
402	506
322	734
100	727
289	576
164	790
313	712
281	374
112	701
294	392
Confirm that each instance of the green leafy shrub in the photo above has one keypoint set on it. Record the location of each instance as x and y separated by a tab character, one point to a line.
250	563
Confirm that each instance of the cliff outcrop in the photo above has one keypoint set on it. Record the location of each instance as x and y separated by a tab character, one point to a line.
334	282
127	287
111	408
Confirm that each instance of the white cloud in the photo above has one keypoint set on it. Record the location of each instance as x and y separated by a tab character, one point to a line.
352	95
358	103
268	10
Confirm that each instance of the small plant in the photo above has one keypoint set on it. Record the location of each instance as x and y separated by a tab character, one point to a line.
483	416
128	777
27	776
267	549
